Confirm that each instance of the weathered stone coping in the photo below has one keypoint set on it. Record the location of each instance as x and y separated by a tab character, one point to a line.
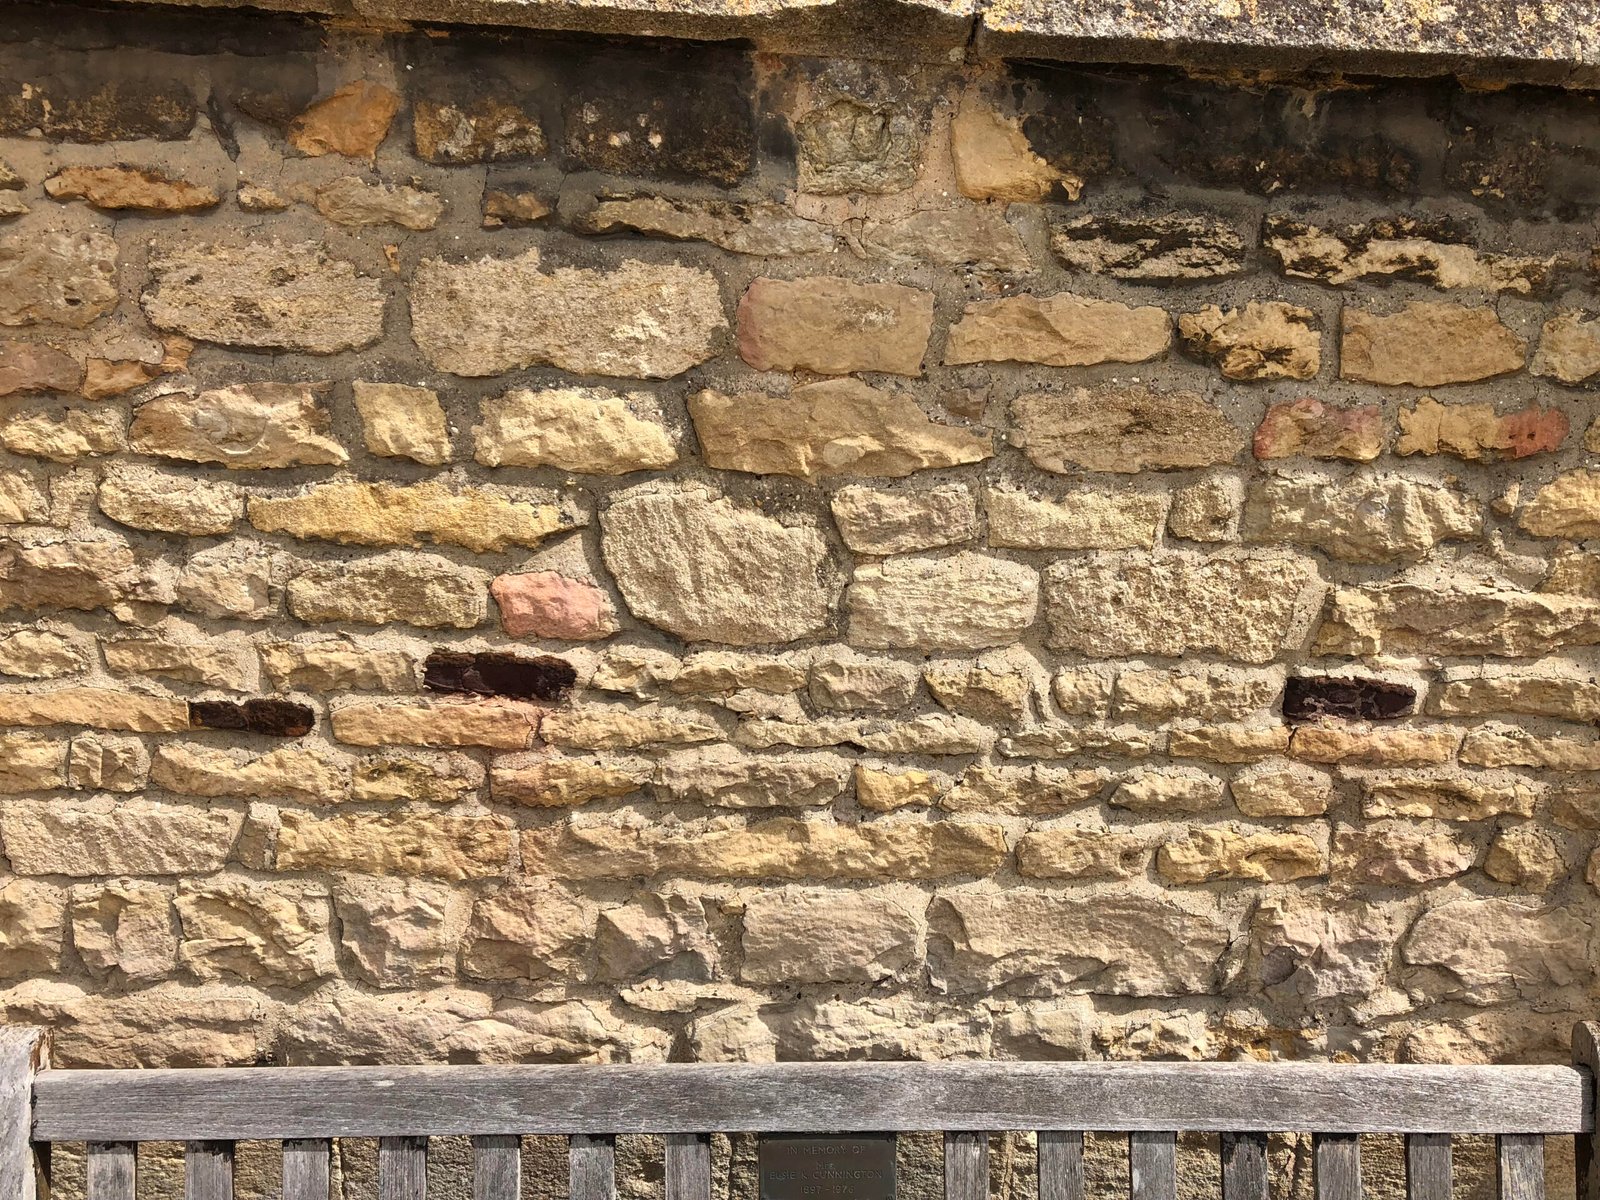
1551	42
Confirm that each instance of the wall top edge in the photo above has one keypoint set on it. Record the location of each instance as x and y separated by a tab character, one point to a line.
1552	42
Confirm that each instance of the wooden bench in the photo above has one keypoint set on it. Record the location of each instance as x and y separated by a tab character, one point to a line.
307	1107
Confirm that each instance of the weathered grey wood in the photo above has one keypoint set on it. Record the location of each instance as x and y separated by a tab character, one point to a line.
111	1171
402	1168
307	1169
1244	1166
1152	1166
24	1052
1060	1164
1336	1166
296	1102
688	1163
592	1167
1428	1166
208	1171
966	1165
497	1167
1586	1057
1521	1166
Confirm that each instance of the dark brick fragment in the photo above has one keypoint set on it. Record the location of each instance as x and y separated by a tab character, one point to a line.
275	718
489	673
1307	697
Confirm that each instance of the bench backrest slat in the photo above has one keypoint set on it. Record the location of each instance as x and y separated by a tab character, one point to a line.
402	1168
111	1171
22	1054
307	1169
1244	1166
1153	1166
592	1167
1336	1166
292	1102
208	1170
1428	1166
688	1166
1060	1165
966	1165
497	1167
1520	1162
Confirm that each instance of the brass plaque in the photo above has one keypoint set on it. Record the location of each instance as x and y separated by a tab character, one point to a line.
858	1166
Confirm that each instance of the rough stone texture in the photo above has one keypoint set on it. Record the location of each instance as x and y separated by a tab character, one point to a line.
833	326
876	521
1059	331
402	422
1360	518
1569	348
245	426
58	278
382	514
493	315
966	601
1238	606
751	579
1123	429
1155	249
753	755
264	294
1306	427
1259	341
1427	344
838	427
587	430
1477	432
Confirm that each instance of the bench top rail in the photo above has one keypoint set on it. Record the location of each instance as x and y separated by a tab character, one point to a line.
239	1104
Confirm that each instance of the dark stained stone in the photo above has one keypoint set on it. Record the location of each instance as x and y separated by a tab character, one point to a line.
1153	248
75	99
275	718
669	111
488	673
1307	697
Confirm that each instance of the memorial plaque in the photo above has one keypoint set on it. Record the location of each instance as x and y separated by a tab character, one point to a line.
857	1166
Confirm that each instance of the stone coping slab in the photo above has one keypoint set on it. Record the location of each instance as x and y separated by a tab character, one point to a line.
1553	42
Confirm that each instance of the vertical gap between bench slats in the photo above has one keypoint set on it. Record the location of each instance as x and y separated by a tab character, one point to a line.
307	1168
592	1166
966	1166
208	1171
112	1171
402	1168
1244	1166
1336	1165
496	1167
1428	1166
1521	1166
688	1166
1060	1165
1153	1166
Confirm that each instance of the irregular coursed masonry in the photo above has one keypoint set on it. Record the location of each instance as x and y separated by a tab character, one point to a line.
838	562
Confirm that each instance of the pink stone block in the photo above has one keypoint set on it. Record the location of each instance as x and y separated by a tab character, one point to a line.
546	604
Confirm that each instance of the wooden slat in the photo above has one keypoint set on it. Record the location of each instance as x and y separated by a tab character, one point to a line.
402	1168
966	1165
24	1052
497	1167
592	1167
1060	1165
307	1169
1521	1166
208	1171
111	1171
295	1102
1428	1166
688	1163
1586	1057
1244	1166
1336	1166
1153	1166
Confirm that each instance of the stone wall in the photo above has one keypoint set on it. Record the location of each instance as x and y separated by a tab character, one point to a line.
546	549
